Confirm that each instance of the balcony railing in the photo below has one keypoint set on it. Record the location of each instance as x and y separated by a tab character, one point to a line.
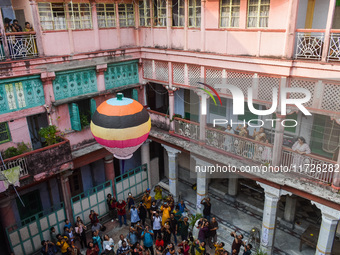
21	45
240	146
334	47
308	165
187	129
159	120
309	45
47	159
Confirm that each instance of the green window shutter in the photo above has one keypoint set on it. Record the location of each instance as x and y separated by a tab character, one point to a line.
93	106
74	117
135	94
292	116
248	115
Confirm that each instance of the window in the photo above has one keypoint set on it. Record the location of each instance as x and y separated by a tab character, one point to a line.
81	112
106	15
194	13
52	16
32	202
76	184
159	13
248	115
5	135
218	109
230	13
292	116
178	13
258	13
80	15
144	13
126	15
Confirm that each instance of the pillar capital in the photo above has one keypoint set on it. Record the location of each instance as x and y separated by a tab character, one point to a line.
47	76
272	191
101	68
327	212
172	152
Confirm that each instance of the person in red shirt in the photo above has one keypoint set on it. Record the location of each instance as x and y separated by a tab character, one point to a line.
93	217
121	212
184	247
92	249
159	242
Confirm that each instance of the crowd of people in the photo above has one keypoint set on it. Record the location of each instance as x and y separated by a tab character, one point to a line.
160	224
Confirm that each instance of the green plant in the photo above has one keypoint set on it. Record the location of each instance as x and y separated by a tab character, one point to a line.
84	120
11	152
15	151
260	252
193	219
49	134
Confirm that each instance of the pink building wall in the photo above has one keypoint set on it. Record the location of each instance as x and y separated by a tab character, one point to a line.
19	133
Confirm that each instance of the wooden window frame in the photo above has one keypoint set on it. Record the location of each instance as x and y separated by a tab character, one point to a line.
229	4
109	15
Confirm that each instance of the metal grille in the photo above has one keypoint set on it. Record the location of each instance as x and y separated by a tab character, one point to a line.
194	73
331	97
162	71
334	48
266	85
147	69
241	80
309	85
22	46
21	162
309	45
178	73
2	51
214	77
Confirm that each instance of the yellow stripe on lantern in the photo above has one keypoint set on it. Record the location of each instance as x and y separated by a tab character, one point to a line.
121	134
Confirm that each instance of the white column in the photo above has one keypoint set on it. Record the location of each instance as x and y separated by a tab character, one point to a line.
203	113
145	151
329	24
272	196
330	219
233	185
203	2
202	183
173	170
290	209
171	108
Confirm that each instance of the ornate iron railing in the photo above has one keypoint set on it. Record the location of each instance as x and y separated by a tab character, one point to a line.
334	47
308	165
187	129
22	45
2	50
22	162
309	45
241	146
159	120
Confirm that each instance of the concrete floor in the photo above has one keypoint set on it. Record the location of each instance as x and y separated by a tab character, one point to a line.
232	216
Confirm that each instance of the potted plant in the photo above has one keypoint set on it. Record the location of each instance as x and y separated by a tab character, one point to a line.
49	134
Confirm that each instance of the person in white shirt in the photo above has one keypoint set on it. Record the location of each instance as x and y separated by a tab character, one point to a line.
157	224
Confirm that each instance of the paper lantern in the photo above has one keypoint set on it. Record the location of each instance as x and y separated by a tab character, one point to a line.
121	125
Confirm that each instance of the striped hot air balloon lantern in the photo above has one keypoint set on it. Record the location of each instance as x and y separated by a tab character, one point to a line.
121	125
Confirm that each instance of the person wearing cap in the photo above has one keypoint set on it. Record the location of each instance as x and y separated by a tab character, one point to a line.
121	212
166	212
134	215
147	201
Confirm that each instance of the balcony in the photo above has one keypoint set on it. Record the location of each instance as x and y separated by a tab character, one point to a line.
308	167
21	45
42	162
